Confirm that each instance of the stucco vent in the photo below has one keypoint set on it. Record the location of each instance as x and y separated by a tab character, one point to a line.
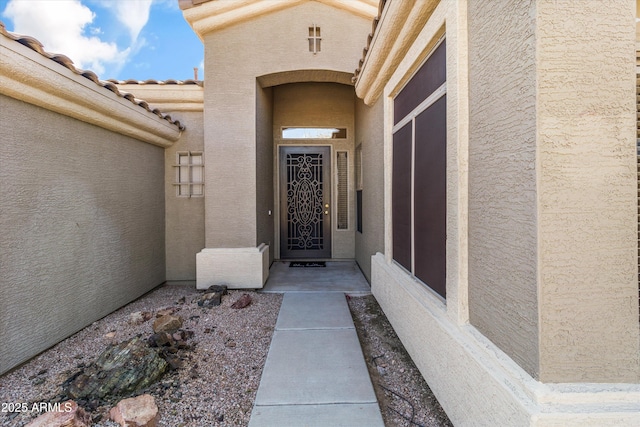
314	39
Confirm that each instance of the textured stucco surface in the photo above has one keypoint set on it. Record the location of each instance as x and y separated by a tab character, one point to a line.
321	105
459	381
265	214
184	215
502	177
370	133
82	223
235	57
475	382
587	198
546	166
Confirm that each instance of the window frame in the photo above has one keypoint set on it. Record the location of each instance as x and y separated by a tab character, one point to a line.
407	123
185	186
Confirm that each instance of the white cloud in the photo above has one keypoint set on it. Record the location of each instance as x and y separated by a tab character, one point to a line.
59	25
134	14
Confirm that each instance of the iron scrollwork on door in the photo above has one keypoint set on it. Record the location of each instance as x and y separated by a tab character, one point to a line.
305	195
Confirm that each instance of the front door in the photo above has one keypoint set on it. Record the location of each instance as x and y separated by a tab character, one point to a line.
305	202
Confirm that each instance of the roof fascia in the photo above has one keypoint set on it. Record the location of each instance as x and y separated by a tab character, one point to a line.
28	76
400	24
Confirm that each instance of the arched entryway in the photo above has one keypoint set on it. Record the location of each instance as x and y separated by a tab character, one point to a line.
312	147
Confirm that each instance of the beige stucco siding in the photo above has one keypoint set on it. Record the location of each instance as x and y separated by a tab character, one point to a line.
502	177
370	135
184	215
235	57
265	212
587	198
322	105
83	226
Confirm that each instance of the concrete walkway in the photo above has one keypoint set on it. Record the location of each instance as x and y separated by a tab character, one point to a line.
315	373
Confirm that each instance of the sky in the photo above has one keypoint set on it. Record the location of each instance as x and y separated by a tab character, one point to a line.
116	39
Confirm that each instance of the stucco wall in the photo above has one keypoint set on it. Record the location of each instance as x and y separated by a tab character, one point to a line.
503	241
235	57
265	213
370	134
82	223
587	197
184	215
322	105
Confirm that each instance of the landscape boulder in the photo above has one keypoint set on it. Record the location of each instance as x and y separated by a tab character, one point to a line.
120	371
166	311
242	302
168	323
68	414
212	296
140	411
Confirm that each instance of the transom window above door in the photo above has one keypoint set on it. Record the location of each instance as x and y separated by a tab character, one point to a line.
313	133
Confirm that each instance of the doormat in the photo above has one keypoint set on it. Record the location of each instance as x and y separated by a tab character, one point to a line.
307	264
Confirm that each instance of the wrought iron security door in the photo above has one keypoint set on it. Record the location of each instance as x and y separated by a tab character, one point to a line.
305	202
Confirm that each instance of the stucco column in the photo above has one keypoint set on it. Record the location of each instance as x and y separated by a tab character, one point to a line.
232	256
587	192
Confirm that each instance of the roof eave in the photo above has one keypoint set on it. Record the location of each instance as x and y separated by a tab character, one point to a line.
398	26
210	16
29	76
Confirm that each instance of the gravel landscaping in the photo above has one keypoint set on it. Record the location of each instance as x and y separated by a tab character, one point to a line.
404	397
221	365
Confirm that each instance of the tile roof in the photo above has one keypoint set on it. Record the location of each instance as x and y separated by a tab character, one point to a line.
157	82
63	60
374	27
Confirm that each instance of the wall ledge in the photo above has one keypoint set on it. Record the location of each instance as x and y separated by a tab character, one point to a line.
29	76
457	362
168	97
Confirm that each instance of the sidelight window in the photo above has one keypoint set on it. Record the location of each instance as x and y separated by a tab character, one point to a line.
342	167
358	170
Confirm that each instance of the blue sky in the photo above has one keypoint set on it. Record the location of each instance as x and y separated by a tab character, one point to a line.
117	39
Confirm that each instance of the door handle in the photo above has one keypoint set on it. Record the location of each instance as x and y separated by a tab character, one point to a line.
326	206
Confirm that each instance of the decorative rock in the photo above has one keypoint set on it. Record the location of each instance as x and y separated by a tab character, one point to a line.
110	334
140	411
69	414
161	339
139	317
173	360
167	323
212	296
119	371
167	311
242	302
